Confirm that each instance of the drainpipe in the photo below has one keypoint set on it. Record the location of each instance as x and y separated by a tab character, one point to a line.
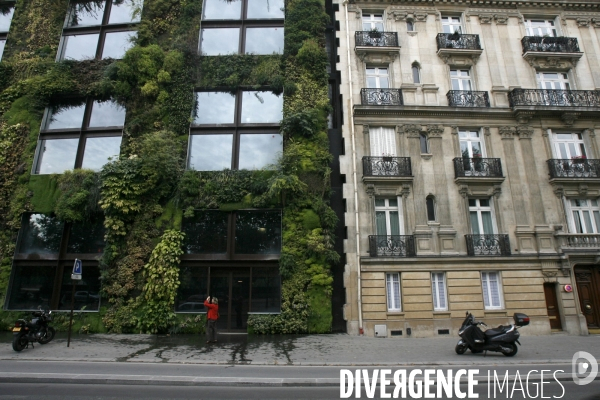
354	174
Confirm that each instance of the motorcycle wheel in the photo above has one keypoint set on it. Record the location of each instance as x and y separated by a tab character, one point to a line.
512	352
50	332
19	342
460	348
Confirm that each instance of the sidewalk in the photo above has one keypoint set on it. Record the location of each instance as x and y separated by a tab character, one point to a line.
315	350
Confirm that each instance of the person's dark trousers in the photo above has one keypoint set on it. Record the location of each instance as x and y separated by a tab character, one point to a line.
211	330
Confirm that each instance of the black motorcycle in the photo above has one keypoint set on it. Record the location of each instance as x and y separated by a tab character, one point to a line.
37	330
502	338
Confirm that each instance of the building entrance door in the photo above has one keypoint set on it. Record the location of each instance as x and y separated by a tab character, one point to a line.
231	286
588	287
552	306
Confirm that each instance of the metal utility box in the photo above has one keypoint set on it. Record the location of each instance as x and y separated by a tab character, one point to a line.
380	330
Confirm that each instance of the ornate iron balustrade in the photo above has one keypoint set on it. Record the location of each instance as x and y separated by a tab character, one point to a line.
574	168
477	166
550	44
488	245
381	97
548	97
467	98
579	240
392	246
458	41
376	39
387	166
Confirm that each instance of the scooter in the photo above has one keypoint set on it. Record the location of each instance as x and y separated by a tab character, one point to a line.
37	330
502	339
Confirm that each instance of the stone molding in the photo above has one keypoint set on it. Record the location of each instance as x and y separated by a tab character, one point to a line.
435	130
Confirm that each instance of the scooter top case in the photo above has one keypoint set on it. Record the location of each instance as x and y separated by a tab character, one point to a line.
521	319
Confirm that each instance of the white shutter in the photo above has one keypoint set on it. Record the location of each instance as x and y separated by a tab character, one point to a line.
383	142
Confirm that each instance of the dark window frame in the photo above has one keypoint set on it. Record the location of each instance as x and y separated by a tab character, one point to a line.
101	30
237	128
82	134
424	143
416	72
430	206
243	23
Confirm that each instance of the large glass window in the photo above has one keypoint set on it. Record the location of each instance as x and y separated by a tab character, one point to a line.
243	234
540	27
372	22
392	284
569	145
6	14
32	286
99	29
40	234
382	141
377	78
238	131
492	293
482	220
87	290
388	219
86	135
585	215
244	27
460	79
553	80
451	25
438	289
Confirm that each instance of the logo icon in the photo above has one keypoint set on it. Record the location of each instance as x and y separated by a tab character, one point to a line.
582	364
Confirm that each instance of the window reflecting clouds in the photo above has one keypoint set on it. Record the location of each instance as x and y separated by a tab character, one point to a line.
116	44
98	151
210	152
265	9
57	156
258	151
80	47
2	43
219	9
214	108
264	41
220	41
107	113
85	14
70	117
125	12
261	107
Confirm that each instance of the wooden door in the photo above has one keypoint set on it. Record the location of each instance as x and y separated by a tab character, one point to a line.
588	287
552	306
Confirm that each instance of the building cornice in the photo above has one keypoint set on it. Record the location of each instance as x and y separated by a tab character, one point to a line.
565	4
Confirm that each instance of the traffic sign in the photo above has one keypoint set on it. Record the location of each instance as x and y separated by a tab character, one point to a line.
77	270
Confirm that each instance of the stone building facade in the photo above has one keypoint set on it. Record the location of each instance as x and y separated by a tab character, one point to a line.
472	164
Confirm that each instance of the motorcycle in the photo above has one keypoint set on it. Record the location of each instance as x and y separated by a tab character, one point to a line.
502	339
37	330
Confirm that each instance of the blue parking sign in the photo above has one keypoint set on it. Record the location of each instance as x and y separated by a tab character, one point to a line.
77	268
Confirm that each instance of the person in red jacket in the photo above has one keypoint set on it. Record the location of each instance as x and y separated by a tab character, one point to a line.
211	318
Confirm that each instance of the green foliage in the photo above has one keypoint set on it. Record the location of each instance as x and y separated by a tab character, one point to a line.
45	192
79	194
312	57
162	280
310	219
304	19
233	71
320	317
306	123
189	324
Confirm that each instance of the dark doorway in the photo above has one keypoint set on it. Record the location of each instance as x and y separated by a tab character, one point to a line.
552	306
588	287
231	286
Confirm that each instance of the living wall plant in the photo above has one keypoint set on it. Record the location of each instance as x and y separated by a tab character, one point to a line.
142	194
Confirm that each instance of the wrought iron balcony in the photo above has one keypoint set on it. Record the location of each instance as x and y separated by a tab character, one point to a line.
550	44
488	245
381	97
574	168
376	39
386	166
548	97
392	246
477	167
467	98
458	41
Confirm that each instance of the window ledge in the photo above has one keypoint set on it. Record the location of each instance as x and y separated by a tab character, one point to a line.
412	33
495	313
395	314
442	314
426	156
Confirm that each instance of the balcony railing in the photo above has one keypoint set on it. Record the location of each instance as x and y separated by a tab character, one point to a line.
458	41
381	97
574	168
392	246
547	97
376	39
488	245
550	44
467	98
386	166
477	167
578	240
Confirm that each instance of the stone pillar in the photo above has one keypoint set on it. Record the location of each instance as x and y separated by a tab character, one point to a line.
512	171
525	133
414	152
434	133
590	50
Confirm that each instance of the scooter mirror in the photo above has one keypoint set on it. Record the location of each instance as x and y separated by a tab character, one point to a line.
467	313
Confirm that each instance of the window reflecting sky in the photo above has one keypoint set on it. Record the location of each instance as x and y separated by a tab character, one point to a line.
5	20
261	107
57	156
210	152
98	150
214	108
218	41
265	9
219	9
123	13
264	40
117	43
80	47
2	43
86	14
65	118
107	113
259	150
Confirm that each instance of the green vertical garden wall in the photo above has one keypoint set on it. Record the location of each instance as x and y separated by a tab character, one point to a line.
144	195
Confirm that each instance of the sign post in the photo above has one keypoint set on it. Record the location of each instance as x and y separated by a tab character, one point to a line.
75	276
